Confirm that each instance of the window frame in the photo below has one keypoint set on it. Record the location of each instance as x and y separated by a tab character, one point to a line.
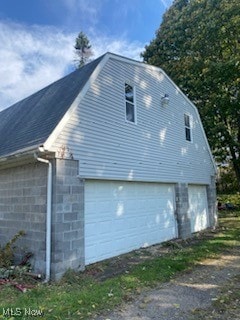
131	103
188	127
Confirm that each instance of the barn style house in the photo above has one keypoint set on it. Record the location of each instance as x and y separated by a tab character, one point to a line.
108	159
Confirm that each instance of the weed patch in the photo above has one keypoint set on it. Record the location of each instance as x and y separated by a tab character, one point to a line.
7	251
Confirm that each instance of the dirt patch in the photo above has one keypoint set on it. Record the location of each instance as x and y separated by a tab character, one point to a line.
123	263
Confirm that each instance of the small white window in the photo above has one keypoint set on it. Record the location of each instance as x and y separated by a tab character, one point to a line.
188	131
130	103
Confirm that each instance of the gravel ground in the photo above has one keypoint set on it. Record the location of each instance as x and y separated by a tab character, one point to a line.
185	296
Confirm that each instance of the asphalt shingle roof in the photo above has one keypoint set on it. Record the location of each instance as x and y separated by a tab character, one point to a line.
29	122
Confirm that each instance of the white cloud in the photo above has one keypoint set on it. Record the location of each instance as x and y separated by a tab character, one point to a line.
166	3
32	57
122	47
86	7
87	11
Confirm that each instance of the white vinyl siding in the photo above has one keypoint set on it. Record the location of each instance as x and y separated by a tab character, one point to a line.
153	150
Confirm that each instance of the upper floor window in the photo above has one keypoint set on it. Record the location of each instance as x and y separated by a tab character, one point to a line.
188	132
130	103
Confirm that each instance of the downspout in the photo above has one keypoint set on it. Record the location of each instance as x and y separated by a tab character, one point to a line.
48	218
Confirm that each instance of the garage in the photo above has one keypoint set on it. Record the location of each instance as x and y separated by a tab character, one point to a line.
123	216
198	207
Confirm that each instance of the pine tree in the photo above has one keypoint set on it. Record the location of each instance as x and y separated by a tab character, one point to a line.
83	49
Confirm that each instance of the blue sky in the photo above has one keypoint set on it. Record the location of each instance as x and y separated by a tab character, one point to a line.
37	37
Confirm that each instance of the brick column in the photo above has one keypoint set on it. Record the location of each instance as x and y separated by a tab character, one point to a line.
67	218
212	202
182	206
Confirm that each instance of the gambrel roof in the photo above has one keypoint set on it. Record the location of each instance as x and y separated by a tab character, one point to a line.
29	122
38	119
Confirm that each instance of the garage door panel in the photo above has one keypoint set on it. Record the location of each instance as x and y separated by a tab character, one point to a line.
104	227
123	216
198	207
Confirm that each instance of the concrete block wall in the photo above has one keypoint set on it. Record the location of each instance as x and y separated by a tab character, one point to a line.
212	202
182	208
23	207
67	218
182	205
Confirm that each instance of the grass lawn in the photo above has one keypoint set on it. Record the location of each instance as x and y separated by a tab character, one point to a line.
81	295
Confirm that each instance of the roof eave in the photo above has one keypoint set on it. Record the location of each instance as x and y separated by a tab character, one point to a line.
24	156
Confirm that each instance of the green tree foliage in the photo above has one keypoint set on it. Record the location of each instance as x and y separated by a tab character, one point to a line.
198	45
83	49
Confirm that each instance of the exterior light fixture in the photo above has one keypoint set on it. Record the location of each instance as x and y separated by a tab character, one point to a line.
165	100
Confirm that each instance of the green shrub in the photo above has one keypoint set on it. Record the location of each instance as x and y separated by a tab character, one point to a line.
230	198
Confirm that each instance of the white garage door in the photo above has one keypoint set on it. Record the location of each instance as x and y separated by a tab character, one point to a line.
123	216
198	207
